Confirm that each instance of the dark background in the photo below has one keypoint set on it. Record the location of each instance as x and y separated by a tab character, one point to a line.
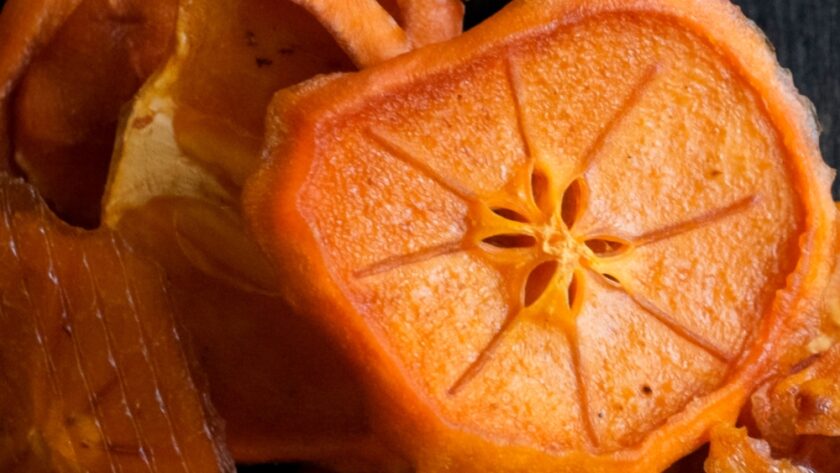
806	34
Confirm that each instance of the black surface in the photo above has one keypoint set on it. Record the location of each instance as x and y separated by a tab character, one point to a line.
806	34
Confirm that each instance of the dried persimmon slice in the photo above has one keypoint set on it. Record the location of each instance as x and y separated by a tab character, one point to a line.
190	139
93	373
66	107
25	26
572	238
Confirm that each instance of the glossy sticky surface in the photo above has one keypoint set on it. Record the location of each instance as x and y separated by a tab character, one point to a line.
94	374
68	103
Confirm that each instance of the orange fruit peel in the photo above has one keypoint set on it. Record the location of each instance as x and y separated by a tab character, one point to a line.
575	237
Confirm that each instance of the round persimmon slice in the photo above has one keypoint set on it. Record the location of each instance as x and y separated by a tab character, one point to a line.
574	238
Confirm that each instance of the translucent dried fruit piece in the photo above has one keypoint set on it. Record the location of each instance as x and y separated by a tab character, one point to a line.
284	392
67	105
93	373
732	451
25	26
190	140
514	234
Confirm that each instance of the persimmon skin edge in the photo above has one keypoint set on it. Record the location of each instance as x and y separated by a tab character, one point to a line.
299	113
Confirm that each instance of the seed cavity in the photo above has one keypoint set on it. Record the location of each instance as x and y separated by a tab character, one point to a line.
540	191
606	247
573	292
510	214
572	203
538	282
512	240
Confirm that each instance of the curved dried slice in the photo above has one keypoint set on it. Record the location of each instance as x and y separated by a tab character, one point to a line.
364	29
25	26
830	324
732	451
94	376
594	271
192	135
189	142
67	104
370	34
431	21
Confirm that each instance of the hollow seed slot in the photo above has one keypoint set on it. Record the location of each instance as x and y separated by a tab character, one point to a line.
538	282
511	241
606	247
572	203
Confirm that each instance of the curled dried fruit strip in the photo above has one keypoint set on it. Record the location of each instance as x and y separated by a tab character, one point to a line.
67	104
431	21
93	373
370	35
25	25
363	28
733	451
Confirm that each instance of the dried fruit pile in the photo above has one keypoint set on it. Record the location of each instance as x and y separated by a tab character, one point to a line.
585	235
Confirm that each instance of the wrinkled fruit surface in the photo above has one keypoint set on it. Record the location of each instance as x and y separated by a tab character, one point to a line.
587	272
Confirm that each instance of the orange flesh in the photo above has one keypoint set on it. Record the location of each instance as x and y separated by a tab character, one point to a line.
229	76
25	26
673	345
94	377
67	105
806	403
285	393
559	242
732	451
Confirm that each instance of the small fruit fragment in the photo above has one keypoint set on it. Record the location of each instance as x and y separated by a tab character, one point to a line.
805	403
732	451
